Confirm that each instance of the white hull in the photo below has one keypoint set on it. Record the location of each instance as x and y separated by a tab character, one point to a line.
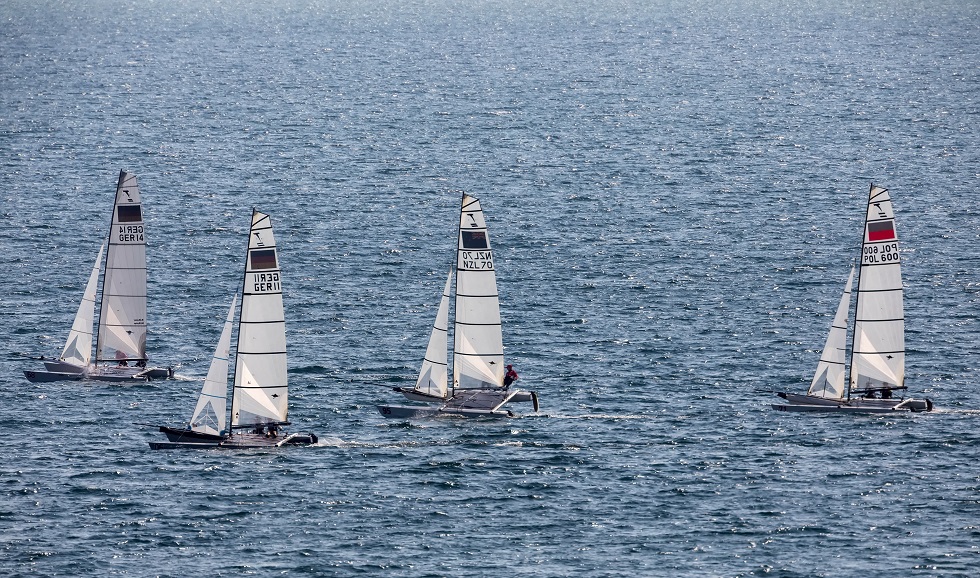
811	403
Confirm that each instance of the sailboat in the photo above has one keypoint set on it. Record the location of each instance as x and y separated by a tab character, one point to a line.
876	383
259	401
478	353
120	351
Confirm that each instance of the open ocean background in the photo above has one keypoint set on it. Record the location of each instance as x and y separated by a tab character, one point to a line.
675	191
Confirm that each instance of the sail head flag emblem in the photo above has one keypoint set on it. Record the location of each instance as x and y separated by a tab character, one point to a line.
881	231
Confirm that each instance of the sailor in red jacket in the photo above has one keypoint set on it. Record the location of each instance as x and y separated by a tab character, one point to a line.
510	377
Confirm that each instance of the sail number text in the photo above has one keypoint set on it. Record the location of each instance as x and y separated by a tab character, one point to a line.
476	260
877	254
130	233
266	282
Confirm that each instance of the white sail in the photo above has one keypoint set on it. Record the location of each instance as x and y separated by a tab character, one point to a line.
209	415
78	346
122	320
433	376
260	394
478	351
878	351
828	380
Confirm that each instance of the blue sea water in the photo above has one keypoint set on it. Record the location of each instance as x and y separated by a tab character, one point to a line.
674	191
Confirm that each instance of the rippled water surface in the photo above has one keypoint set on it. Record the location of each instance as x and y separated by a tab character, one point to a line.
674	191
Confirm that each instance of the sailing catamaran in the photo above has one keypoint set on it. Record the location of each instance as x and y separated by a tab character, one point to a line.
877	369
478	352
120	351
259	402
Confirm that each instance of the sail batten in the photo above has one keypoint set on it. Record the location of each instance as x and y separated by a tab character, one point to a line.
261	388
122	317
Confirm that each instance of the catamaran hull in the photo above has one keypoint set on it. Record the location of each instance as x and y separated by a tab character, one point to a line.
415	412
49	376
243	441
519	396
810	403
63	367
415	395
112	375
190	436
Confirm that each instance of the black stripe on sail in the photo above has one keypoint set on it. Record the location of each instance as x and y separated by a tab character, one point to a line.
495	295
261	322
478	324
478	354
880	320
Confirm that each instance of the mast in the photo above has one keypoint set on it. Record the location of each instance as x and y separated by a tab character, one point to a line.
878	347
261	390
478	351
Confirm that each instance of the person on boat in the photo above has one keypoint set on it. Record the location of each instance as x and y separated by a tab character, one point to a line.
259	429
273	431
886	393
869	393
510	377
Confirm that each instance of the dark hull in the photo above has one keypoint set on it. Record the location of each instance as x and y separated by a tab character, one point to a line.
186	439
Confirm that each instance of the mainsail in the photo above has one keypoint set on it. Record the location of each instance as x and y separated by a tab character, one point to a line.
122	319
433	376
828	380
78	346
209	415
878	352
260	394
478	350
